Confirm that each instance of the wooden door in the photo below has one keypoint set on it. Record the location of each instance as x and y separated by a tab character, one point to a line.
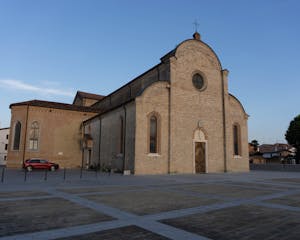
200	157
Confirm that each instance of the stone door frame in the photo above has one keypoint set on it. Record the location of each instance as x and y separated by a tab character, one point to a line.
199	136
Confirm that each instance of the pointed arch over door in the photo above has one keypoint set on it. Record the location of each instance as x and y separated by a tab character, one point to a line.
200	151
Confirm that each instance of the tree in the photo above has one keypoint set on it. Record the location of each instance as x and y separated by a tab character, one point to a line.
255	144
292	136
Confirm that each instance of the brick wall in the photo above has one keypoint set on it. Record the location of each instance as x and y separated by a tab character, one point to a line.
59	139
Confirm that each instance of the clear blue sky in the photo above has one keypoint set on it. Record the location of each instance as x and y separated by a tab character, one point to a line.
51	49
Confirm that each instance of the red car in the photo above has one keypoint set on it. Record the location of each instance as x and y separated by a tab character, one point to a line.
36	163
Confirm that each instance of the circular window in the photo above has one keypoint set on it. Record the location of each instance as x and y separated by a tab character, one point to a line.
198	81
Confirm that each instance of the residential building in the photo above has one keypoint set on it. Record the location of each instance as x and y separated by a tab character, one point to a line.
4	136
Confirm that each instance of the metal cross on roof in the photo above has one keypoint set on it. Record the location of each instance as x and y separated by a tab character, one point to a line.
196	24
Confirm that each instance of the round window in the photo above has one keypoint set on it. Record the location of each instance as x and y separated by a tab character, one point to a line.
198	81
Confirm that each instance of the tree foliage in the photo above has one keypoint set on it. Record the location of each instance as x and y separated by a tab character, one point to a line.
255	144
292	135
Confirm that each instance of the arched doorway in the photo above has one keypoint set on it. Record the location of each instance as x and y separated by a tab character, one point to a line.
200	151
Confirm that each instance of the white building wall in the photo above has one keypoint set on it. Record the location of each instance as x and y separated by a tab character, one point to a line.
4	136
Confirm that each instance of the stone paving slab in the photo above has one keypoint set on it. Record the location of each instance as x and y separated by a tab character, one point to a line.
123	233
291	200
99	189
242	222
43	214
226	190
22	194
152	201
258	185
286	180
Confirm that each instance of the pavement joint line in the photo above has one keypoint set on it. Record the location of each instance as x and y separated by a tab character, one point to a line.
278	206
212	207
69	231
190	211
109	193
168	231
252	187
99	207
276	195
285	184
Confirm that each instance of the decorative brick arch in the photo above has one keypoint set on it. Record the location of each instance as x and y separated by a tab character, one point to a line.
200	146
200	135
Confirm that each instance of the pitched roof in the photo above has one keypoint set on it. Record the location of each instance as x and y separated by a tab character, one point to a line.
277	147
81	94
56	105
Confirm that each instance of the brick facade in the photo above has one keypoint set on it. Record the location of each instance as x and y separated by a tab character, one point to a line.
59	135
186	117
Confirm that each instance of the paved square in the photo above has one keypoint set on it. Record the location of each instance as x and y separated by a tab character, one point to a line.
149	202
254	205
242	222
43	214
124	233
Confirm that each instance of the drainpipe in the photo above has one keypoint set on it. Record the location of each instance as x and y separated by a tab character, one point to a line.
100	131
82	147
124	138
25	135
169	128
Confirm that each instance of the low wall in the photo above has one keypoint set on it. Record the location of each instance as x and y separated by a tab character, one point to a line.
276	167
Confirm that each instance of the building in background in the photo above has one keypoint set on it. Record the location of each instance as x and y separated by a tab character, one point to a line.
272	153
49	130
4	136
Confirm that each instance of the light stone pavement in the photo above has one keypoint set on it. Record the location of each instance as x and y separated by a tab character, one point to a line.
254	205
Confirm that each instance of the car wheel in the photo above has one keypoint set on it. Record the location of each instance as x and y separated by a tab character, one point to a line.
29	168
52	168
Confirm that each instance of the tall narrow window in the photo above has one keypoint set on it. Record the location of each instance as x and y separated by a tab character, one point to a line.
17	136
236	140
34	136
153	134
121	146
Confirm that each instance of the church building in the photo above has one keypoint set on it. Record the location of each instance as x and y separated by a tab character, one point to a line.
177	117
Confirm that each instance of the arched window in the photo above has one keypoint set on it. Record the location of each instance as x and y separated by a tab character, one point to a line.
17	135
236	140
121	134
153	135
34	136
